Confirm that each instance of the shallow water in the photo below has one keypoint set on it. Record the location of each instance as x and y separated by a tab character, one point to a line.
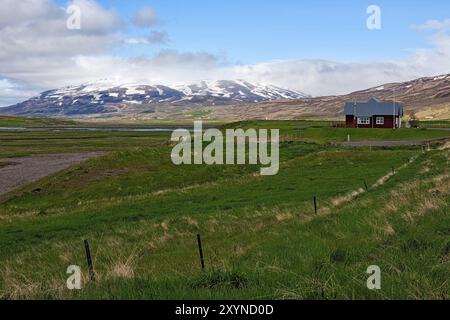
121	129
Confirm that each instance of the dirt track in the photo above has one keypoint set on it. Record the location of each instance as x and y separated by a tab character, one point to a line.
357	144
17	172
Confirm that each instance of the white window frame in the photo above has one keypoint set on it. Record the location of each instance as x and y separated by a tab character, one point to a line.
380	121
363	120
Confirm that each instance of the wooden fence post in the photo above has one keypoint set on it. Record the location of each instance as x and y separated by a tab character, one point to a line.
89	260
315	204
200	252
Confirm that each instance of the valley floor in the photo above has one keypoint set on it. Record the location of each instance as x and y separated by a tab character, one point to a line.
262	238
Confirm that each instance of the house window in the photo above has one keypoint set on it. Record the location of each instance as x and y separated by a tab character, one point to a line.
380	120
363	120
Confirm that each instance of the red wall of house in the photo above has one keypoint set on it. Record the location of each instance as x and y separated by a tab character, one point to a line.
367	126
349	121
388	122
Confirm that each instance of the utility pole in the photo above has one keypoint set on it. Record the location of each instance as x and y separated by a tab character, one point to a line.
394	119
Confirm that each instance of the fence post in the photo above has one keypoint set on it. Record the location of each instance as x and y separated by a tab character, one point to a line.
200	252
315	204
89	260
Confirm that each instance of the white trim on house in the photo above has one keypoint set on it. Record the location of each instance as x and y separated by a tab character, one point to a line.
363	120
380	121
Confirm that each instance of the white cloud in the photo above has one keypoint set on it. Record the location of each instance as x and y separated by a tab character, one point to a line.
15	12
155	37
145	17
168	67
434	25
165	67
40	30
96	19
36	46
318	77
10	92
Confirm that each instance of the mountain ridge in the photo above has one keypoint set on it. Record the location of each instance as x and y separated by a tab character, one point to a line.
105	99
426	98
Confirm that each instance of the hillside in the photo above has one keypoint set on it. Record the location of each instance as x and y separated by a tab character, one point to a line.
428	98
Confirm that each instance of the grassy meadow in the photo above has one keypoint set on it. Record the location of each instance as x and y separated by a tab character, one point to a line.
10	121
262	238
322	132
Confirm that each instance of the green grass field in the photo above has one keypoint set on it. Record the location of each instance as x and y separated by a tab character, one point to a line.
321	131
7	121
435	124
23	143
261	236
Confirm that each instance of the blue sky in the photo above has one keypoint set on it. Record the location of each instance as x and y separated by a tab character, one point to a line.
253	31
320	47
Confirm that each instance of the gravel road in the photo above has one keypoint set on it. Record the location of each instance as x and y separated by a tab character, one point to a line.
17	172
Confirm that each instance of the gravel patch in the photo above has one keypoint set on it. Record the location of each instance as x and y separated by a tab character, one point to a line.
17	172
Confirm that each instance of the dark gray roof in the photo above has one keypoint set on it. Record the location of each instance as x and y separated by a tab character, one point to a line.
373	107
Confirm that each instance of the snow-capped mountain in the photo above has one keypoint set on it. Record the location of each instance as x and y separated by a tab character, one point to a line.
104	98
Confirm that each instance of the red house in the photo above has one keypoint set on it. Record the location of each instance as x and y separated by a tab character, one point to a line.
373	114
